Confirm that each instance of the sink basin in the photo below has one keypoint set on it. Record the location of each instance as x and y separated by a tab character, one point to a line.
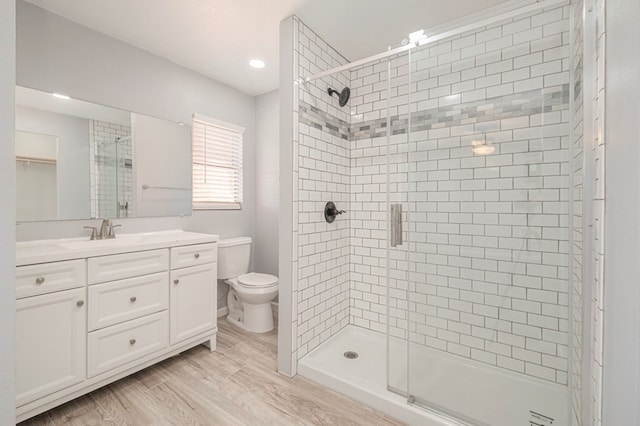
90	244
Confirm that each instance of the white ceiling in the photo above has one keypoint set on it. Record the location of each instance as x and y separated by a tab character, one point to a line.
217	38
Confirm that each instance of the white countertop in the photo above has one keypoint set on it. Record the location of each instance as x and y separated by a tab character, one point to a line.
42	251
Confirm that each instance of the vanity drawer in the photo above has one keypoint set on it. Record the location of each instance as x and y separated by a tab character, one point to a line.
197	254
127	265
118	301
32	280
120	344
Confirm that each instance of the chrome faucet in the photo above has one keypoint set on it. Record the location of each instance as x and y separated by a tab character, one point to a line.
106	228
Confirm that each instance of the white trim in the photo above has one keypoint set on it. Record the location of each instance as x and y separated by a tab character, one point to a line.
223	311
8	213
287	362
210	120
218	206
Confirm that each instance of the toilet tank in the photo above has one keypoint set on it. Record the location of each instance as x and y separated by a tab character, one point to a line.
233	257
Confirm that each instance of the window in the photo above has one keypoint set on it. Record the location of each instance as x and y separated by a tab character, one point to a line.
217	164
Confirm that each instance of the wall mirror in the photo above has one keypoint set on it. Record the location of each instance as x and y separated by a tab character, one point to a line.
80	160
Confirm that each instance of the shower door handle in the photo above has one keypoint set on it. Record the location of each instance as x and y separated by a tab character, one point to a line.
396	225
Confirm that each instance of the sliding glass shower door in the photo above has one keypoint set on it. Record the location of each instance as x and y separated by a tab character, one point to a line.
484	310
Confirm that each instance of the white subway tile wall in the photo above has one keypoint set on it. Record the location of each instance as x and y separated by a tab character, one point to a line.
321	174
483	272
111	174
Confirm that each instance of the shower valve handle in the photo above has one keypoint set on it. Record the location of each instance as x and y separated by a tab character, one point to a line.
331	211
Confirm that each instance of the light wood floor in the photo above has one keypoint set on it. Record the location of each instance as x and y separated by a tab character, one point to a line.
236	385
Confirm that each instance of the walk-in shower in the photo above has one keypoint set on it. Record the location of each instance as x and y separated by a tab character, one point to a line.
468	134
111	170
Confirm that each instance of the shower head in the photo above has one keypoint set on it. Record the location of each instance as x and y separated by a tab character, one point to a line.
344	95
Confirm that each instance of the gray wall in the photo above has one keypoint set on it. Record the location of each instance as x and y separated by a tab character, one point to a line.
621	363
267	184
7	212
90	66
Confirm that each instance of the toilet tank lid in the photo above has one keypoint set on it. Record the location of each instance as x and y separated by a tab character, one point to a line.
230	242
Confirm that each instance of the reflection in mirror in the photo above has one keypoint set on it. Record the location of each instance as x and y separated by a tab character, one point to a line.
79	160
36	156
111	169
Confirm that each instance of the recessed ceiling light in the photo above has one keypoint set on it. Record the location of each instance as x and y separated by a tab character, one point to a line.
59	96
256	63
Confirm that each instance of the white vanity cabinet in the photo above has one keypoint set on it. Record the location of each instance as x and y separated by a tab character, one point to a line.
124	291
50	328
88	319
194	301
50	343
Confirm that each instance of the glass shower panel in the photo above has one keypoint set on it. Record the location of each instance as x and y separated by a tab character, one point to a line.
124	177
113	177
487	215
396	161
106	177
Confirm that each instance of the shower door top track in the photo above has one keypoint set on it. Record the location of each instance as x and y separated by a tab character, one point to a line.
540	4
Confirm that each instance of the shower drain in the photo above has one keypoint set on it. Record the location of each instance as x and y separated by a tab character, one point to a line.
351	355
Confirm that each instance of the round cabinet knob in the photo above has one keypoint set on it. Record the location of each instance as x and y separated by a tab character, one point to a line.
197	255
133	299
39	280
176	281
79	303
132	341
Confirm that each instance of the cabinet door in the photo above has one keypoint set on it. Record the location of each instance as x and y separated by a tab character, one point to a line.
193	302
50	343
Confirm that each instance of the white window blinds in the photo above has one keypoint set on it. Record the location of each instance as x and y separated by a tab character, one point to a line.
217	164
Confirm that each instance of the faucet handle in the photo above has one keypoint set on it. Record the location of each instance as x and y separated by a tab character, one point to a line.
94	232
112	234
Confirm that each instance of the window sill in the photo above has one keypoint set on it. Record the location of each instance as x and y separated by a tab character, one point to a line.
218	206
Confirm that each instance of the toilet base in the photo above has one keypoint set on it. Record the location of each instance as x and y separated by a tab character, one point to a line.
256	318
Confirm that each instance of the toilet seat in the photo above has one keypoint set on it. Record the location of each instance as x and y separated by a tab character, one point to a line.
255	280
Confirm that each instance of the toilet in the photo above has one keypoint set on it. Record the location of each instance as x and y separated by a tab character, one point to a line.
250	293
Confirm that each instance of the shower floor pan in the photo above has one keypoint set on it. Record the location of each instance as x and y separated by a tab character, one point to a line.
478	393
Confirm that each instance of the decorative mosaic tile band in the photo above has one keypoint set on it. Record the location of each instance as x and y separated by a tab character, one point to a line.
485	110
316	118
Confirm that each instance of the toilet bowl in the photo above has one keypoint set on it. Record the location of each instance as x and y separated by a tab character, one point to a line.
249	301
250	294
